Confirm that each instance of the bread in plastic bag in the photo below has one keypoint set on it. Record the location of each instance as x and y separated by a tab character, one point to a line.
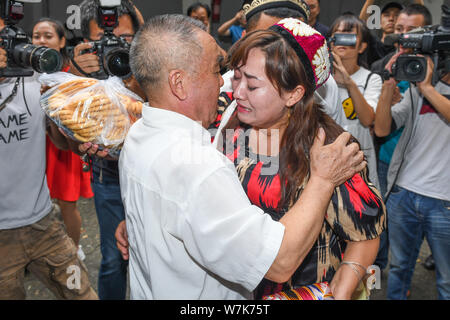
91	110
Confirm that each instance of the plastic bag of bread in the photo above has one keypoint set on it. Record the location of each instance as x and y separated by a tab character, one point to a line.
91	110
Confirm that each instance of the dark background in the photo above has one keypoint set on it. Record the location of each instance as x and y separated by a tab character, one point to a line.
330	9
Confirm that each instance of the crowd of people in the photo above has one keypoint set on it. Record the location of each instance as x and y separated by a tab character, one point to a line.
289	159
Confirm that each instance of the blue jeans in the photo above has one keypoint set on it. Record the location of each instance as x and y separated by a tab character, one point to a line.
112	276
411	217
383	250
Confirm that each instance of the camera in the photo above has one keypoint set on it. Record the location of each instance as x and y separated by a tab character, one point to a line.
340	39
23	57
343	39
112	51
433	41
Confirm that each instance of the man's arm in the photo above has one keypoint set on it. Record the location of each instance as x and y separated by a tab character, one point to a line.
363	14
224	29
331	165
56	136
383	116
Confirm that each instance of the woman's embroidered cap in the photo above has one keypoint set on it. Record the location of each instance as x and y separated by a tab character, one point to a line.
253	7
310	46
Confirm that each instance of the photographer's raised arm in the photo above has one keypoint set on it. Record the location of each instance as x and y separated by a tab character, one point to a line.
363	15
383	116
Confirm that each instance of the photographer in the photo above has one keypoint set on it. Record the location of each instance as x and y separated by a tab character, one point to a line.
112	278
31	235
411	17
418	191
359	89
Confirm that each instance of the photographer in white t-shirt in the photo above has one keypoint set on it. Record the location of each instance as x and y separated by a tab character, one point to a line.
359	89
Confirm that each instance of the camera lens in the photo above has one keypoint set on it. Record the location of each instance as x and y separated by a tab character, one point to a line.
413	68
117	62
46	60
41	59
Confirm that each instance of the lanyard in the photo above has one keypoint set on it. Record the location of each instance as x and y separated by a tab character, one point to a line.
11	96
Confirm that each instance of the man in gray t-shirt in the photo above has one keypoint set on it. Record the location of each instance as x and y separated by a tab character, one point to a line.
31	235
418	193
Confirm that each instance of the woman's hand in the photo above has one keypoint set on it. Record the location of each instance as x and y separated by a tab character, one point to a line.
340	73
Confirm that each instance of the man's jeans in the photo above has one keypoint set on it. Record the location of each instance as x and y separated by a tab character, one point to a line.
383	250
112	276
411	217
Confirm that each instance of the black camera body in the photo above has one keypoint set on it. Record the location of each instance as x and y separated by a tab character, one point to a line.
410	67
340	39
113	52
23	58
433	41
343	39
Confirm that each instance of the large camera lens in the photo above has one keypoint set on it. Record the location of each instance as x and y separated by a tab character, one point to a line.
41	59
117	62
413	68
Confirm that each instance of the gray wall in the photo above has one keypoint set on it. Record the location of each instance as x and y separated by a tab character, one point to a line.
330	9
57	9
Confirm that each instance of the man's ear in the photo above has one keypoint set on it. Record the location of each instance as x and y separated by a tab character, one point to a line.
177	83
295	96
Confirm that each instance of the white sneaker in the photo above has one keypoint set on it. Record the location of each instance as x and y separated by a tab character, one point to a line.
80	253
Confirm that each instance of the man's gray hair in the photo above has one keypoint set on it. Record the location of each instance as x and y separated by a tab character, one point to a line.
165	43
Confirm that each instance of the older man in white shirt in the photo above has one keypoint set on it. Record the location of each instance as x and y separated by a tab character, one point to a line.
193	233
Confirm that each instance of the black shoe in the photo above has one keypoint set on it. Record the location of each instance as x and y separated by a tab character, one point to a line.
429	263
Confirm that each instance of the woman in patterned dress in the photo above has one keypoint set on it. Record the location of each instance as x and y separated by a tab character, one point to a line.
275	74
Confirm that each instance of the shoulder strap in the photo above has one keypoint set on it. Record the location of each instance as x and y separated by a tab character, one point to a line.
367	81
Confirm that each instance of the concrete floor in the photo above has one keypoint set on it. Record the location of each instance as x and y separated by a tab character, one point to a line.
423	285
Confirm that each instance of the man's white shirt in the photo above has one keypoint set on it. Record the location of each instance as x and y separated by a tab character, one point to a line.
192	231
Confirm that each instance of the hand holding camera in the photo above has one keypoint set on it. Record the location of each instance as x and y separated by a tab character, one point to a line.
88	62
340	74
